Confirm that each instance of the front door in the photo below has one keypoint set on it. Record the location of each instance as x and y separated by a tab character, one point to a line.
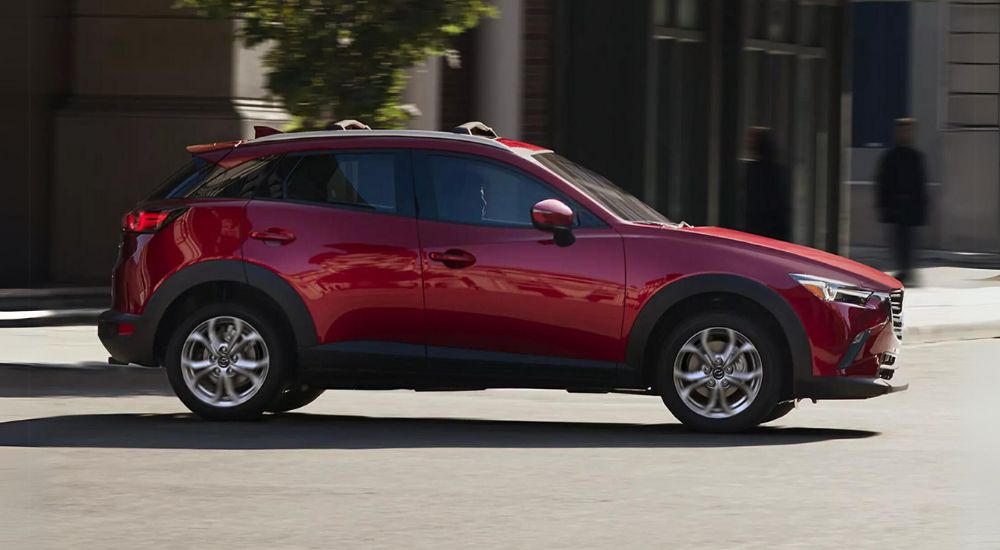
503	302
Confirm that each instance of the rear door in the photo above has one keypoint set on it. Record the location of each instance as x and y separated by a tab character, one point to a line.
339	227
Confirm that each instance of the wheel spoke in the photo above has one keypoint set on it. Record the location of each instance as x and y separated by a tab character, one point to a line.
686	392
227	382
249	338
712	399
706	349
734	354
692	376
742	387
217	395
200	338
195	365
253	378
238	325
213	335
723	399
247	364
703	356
744	376
200	375
730	344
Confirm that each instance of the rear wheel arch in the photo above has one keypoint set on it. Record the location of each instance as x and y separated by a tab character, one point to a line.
218	280
680	298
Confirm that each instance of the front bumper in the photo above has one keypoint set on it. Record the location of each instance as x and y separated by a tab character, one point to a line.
845	387
135	347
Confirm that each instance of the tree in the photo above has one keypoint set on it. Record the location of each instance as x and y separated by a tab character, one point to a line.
333	59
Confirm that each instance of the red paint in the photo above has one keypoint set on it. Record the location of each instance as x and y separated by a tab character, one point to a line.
551	213
356	271
524	294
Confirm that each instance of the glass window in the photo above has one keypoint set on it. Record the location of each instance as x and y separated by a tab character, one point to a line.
241	181
366	180
192	174
601	190
483	193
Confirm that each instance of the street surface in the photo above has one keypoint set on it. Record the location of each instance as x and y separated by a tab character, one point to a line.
97	457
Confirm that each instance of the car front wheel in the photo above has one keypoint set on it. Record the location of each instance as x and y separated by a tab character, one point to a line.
226	362
720	372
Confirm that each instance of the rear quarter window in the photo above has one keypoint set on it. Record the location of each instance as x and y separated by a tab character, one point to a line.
188	177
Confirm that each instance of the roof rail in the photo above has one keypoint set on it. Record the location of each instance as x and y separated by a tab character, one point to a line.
261	131
475	128
348	124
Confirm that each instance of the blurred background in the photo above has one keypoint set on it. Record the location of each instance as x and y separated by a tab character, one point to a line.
100	97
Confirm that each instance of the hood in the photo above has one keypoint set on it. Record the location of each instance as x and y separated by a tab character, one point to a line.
822	264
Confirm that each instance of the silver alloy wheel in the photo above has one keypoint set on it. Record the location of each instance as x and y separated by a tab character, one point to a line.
718	372
224	361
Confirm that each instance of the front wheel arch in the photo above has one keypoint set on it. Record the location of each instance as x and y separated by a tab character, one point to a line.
678	299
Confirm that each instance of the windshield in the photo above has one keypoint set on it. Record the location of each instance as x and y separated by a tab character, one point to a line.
601	190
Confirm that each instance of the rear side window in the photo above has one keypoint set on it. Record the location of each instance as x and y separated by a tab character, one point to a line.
366	180
191	175
254	178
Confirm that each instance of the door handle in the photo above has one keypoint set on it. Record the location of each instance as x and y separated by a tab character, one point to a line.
273	235
453	258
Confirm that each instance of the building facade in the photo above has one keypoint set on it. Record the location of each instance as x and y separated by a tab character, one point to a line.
658	95
945	72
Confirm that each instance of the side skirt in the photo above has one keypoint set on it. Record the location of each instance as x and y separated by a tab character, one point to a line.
392	365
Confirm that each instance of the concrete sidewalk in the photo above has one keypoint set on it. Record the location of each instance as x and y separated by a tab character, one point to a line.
32	307
952	303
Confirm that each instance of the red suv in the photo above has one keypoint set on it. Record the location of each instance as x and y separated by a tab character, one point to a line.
270	269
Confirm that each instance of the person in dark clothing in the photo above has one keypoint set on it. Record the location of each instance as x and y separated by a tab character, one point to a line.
902	194
768	210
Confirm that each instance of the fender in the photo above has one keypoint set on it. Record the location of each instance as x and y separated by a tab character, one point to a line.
673	293
237	271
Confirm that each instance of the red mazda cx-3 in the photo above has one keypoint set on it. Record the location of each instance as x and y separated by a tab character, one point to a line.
268	270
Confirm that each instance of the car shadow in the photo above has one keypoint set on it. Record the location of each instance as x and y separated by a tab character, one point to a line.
313	431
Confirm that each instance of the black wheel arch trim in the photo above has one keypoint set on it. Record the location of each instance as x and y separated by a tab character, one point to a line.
687	287
139	347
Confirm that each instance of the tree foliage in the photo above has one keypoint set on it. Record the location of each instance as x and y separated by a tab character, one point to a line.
333	59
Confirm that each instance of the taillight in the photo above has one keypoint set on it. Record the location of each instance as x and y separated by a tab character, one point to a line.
148	221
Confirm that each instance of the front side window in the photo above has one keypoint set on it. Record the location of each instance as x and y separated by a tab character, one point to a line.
471	191
365	180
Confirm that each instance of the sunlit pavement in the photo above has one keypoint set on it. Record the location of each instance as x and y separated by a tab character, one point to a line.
106	458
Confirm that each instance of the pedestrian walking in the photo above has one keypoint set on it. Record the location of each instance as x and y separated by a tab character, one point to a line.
902	194
768	211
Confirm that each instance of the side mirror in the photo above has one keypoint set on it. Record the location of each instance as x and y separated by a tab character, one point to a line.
553	216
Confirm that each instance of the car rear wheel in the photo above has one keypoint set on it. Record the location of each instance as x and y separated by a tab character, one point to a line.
226	362
294	397
719	371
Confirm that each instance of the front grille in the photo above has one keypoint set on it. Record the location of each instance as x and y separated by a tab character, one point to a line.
896	303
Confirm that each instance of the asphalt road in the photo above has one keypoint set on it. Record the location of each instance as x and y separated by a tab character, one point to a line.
106	458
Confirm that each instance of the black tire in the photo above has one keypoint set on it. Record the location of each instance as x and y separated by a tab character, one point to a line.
758	335
294	397
273	381
779	410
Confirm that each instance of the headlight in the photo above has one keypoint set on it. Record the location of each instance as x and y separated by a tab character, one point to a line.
829	290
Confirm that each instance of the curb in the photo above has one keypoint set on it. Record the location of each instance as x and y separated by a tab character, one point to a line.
951	332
